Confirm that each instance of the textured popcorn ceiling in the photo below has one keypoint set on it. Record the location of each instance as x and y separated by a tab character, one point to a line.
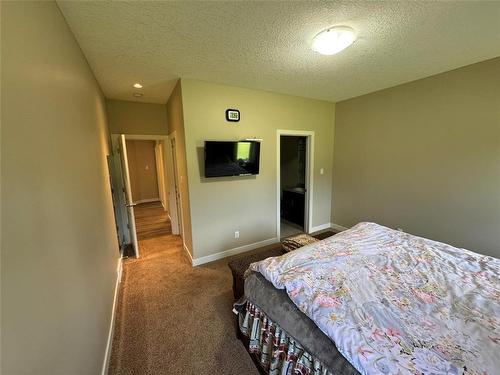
266	45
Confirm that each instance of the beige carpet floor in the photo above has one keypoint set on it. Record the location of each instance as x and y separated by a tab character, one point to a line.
175	319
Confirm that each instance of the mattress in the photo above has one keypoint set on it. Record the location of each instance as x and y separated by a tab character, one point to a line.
279	308
390	301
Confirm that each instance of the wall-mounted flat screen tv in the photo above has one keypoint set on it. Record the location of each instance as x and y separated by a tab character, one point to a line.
231	158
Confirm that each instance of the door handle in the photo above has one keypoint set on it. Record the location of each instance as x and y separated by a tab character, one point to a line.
131	205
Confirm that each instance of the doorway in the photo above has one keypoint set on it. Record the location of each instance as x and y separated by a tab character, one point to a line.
142	182
294	181
147	181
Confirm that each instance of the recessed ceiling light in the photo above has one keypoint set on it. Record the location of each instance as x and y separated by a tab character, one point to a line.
137	94
333	40
137	85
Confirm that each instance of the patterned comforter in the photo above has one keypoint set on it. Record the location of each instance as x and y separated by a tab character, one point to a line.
394	303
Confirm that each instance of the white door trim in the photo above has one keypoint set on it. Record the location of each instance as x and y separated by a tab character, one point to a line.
172	201
177	181
145	137
309	176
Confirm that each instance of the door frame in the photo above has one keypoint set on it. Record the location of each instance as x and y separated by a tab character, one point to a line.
309	183
166	152
160	173
176	180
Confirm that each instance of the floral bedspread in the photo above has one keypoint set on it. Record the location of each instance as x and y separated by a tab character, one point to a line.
394	303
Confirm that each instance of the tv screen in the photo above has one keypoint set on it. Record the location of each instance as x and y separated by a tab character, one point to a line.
231	158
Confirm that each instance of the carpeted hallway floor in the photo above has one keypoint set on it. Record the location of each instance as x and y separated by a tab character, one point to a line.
175	319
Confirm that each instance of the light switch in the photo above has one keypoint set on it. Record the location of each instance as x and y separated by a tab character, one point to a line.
321	171
147	168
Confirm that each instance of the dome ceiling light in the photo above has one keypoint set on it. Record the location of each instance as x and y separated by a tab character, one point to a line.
333	40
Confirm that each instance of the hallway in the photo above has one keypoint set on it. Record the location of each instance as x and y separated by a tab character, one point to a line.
172	318
151	220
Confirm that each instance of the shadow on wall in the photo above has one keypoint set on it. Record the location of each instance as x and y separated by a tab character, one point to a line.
200	151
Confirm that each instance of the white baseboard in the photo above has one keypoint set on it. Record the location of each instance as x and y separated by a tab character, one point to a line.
234	251
340	228
149	200
107	353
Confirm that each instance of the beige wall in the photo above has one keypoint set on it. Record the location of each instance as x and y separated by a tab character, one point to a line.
175	112
136	118
59	246
221	206
142	166
424	156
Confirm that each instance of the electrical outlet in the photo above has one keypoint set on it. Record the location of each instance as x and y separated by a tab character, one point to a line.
237	234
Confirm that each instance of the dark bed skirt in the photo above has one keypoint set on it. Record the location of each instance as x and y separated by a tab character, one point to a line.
273	351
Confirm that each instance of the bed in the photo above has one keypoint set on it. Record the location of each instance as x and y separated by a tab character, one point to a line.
373	300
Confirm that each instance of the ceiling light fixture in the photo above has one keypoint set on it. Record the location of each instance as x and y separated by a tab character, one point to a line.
137	94
333	40
137	85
